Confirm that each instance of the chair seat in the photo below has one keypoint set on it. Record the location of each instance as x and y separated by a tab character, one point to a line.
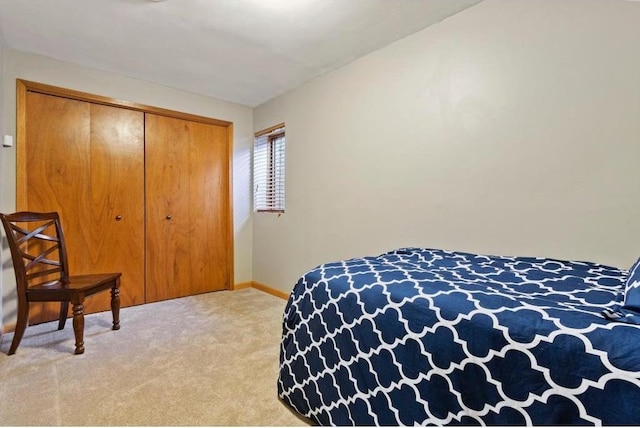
61	290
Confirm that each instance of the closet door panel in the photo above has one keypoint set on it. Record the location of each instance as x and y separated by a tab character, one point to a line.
187	177
86	161
168	272
117	201
56	172
209	205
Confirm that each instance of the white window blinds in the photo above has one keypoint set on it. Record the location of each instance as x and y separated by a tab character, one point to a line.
268	170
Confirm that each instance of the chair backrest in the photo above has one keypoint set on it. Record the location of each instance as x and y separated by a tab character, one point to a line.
37	248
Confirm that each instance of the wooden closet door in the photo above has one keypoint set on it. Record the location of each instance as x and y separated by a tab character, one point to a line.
167	207
57	132
187	179
116	243
210	208
86	161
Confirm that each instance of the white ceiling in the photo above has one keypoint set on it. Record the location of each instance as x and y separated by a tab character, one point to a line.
244	51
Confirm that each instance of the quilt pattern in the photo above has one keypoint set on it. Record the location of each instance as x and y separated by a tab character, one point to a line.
434	337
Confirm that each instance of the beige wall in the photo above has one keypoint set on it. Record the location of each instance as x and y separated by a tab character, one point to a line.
45	70
510	128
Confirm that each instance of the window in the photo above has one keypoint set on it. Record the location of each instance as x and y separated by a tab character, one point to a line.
268	170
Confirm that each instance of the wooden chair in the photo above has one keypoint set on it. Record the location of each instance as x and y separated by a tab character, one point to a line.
41	266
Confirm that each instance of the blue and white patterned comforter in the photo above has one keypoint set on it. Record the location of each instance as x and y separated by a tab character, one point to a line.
418	336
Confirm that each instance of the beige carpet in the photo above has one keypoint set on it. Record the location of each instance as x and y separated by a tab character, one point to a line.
210	359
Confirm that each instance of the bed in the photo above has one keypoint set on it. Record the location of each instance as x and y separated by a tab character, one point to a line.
435	337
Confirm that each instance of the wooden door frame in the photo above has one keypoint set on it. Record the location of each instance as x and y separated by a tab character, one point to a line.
24	86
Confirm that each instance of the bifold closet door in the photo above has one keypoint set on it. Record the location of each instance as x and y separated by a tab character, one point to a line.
86	161
187	208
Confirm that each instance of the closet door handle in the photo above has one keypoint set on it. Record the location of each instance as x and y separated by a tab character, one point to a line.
168	216
118	217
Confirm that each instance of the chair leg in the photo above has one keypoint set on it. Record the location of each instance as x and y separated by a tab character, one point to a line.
21	325
64	310
78	326
115	305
